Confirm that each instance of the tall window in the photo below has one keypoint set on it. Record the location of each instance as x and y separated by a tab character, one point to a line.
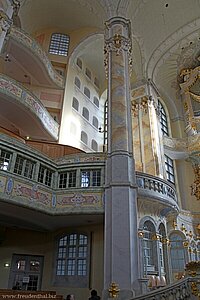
75	104
84	137
177	252
59	44
85	113
94	145
169	166
77	82
148	247
95	122
24	167
5	160
72	257
96	101
163	119
79	63
87	92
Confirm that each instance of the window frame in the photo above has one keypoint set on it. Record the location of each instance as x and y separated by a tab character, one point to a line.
74	279
59	44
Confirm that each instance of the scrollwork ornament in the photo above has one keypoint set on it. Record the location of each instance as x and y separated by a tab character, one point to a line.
118	44
5	22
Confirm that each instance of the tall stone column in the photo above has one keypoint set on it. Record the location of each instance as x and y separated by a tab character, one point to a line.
121	247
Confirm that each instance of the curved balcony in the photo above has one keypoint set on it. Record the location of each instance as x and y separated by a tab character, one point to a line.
28	53
24	111
62	190
159	191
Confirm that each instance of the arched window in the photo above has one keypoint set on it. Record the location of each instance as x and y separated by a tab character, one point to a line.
77	82
79	63
149	248
177	253
72	255
94	145
88	73
95	122
163	119
84	137
85	113
169	167
59	44
75	104
87	92
96	101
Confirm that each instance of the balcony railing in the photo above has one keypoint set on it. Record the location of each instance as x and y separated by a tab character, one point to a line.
27	41
10	87
28	177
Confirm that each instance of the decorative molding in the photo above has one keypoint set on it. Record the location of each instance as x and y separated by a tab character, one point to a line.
5	22
19	93
27	41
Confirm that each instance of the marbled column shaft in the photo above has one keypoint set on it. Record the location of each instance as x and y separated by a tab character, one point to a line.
121	251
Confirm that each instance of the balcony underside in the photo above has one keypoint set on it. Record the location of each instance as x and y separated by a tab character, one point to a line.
20	120
26	62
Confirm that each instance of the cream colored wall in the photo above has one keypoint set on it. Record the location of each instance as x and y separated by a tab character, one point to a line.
36	243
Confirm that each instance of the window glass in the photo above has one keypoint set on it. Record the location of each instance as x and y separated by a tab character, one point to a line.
5	160
84	137
177	253
75	104
77	82
87	92
24	167
95	122
85	113
169	167
163	119
96	101
72	255
45	175
79	63
59	44
94	145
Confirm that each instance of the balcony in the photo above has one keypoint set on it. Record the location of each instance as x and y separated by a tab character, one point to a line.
23	55
65	190
23	111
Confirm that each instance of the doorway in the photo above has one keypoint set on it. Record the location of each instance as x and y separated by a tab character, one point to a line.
26	272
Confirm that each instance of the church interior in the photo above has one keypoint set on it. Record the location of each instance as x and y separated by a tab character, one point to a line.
100	149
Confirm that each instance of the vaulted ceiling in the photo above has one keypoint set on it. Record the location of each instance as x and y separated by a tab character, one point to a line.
166	34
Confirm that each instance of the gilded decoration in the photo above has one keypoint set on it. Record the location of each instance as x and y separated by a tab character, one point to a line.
114	290
141	104
195	187
117	44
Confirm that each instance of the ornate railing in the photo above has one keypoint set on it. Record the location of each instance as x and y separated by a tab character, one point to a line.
55	198
177	291
156	188
19	93
22	37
